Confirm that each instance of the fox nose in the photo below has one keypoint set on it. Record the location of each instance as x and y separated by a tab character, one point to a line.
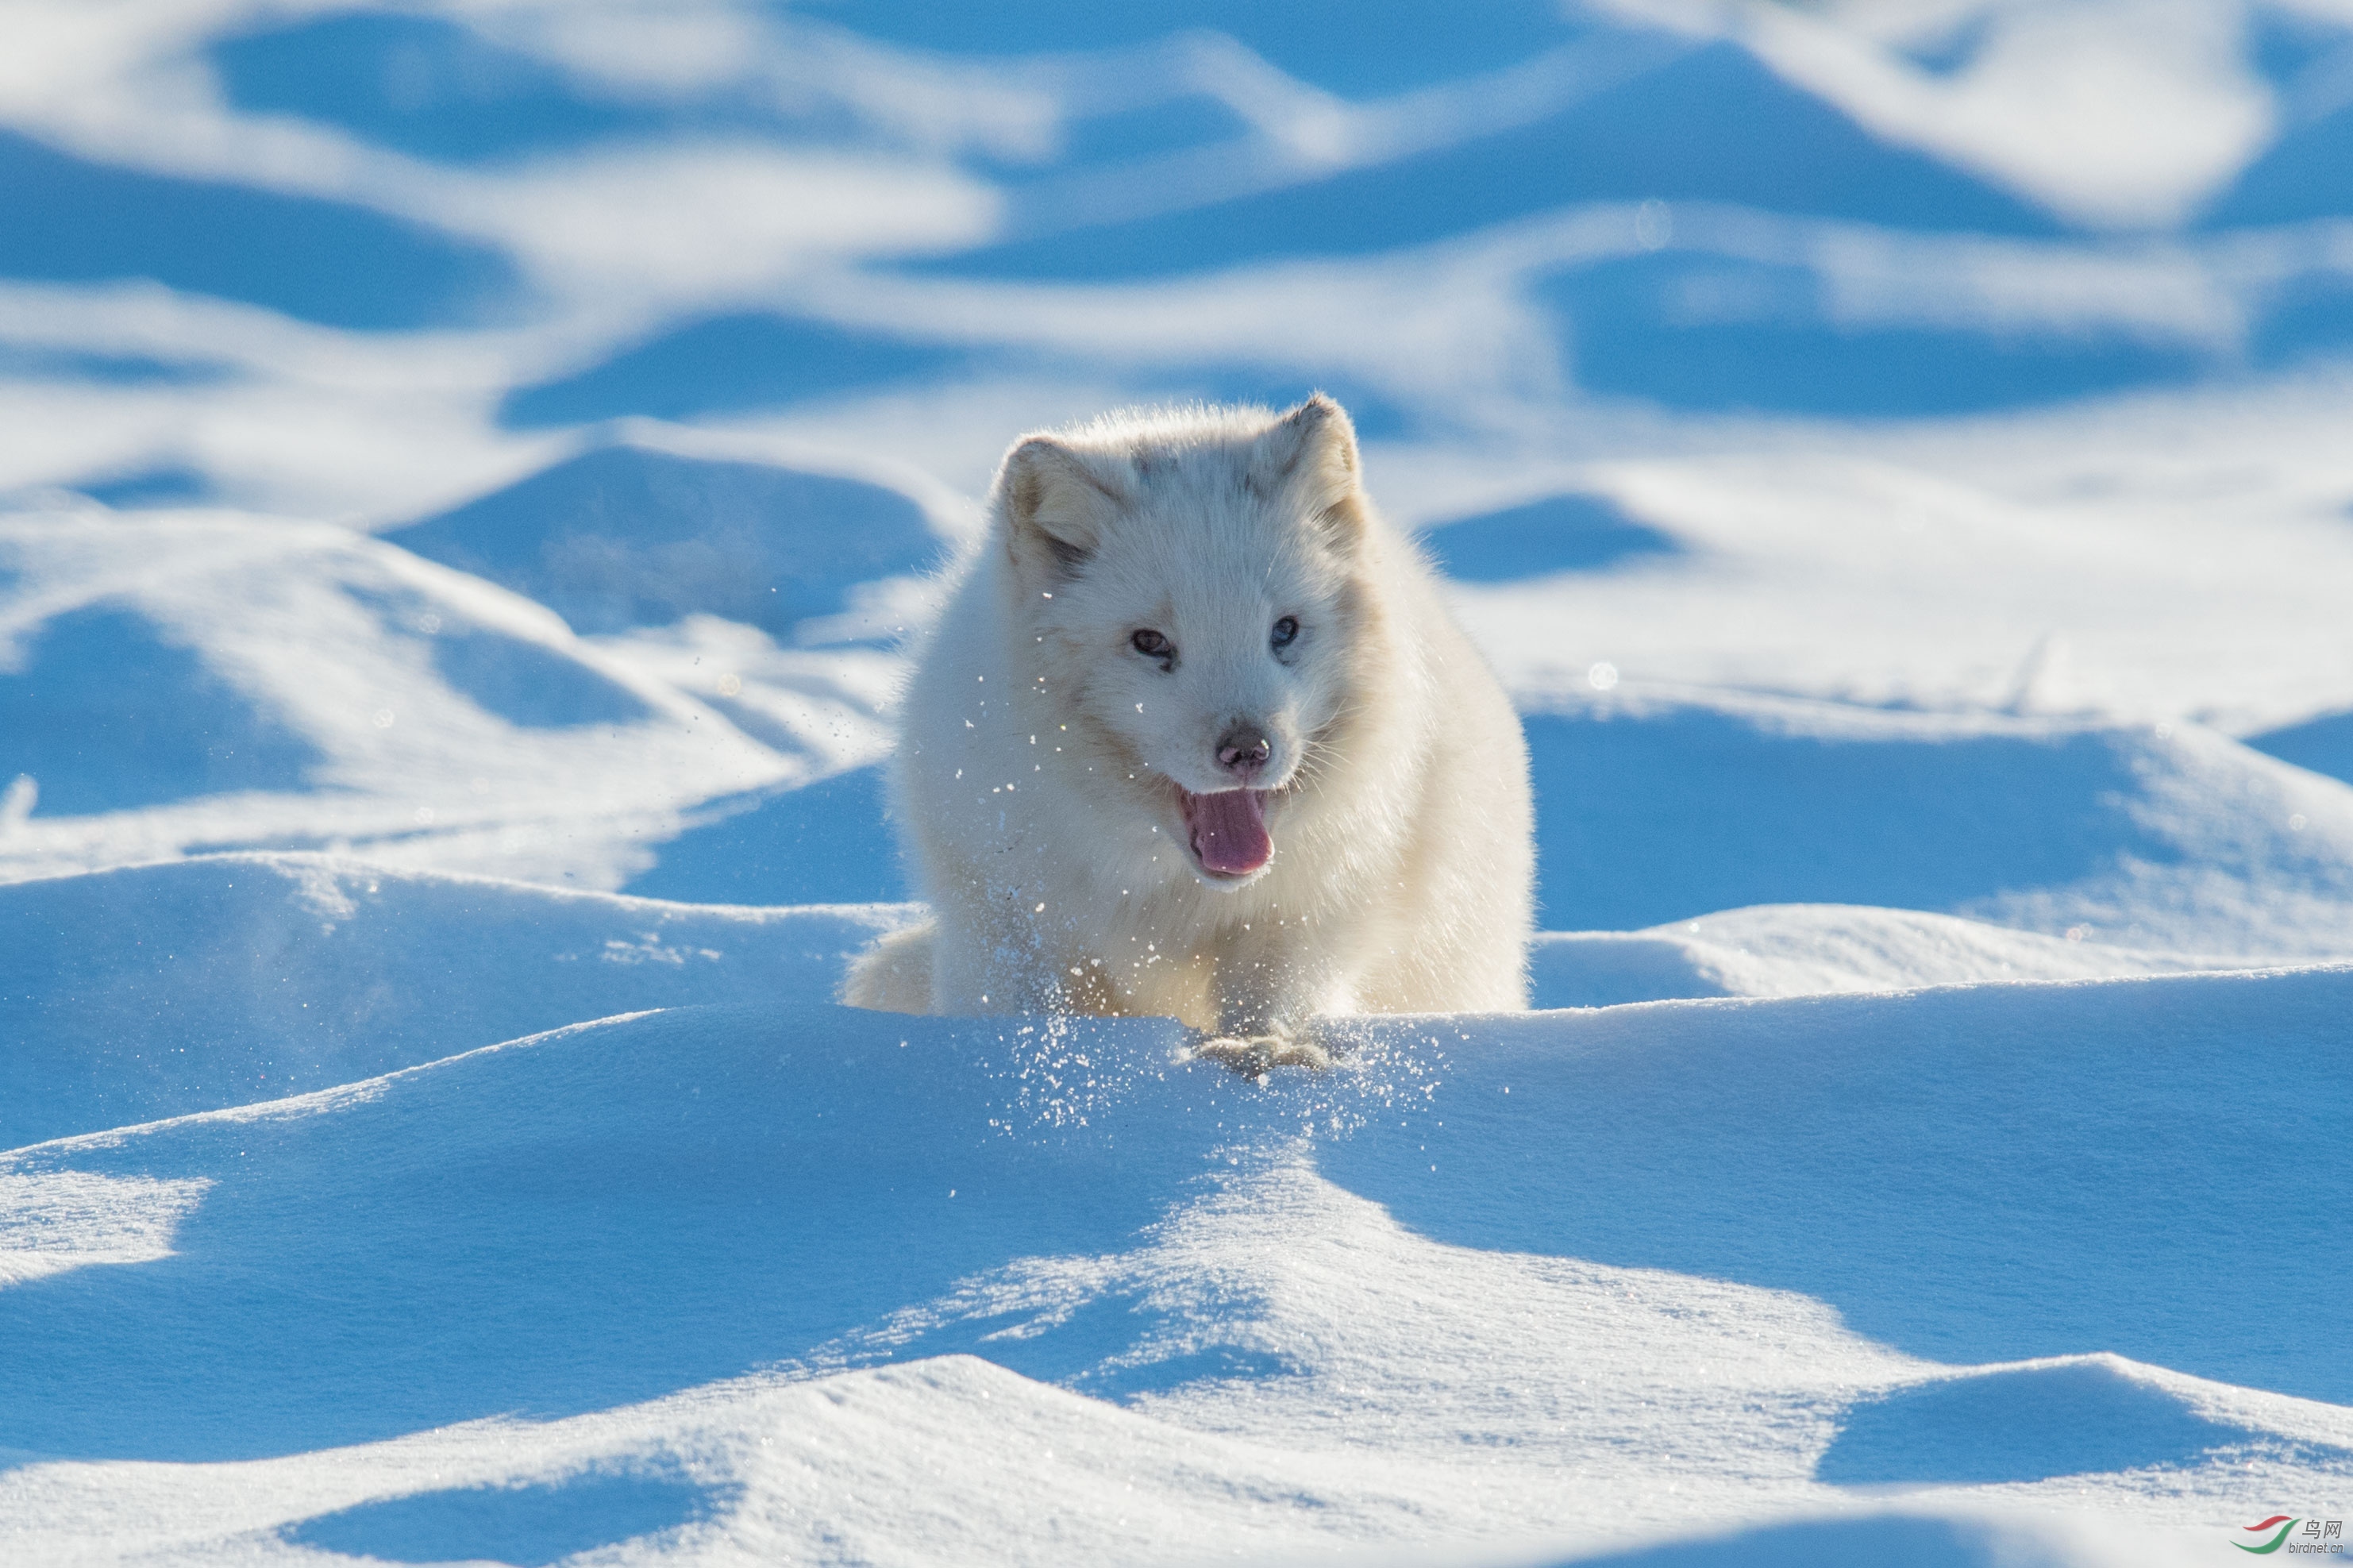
1243	750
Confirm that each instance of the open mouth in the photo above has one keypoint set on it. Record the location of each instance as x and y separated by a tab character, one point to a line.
1228	831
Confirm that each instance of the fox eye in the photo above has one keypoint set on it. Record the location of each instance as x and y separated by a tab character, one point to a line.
1152	645
1286	631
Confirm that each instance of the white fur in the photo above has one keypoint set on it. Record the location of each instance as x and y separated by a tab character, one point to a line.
1032	780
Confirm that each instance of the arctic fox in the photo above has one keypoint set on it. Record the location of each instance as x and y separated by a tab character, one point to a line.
1196	737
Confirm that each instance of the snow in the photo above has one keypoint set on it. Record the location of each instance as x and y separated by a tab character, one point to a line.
473	475
1388	1304
253	976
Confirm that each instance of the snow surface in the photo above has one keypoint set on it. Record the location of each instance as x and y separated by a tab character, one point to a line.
471	474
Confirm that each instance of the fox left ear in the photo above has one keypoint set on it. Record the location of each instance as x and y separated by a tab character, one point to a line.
1054	506
1312	453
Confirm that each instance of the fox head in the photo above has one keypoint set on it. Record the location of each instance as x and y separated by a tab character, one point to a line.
1189	590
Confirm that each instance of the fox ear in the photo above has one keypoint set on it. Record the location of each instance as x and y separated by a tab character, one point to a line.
1312	453
1054	506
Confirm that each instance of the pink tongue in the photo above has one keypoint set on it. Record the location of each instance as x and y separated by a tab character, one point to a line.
1230	831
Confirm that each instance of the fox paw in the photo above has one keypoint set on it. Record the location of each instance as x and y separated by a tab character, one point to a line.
1254	1056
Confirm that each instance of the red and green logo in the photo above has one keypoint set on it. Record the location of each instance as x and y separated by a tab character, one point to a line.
2281	1519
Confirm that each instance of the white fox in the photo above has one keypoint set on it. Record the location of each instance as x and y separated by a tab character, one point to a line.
1196	737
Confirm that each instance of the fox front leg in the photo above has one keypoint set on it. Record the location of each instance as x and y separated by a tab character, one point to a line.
1265	1012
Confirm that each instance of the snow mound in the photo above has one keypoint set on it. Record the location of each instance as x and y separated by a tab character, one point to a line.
727	364
420	716
1801	948
1658	808
628	536
1803	1248
232	979
1989	572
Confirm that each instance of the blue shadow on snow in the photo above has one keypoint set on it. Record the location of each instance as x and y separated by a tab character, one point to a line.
425	85
658	1201
1713	124
170	486
1566	533
1949	51
2307	173
1353	49
1870	1543
1605	969
826	842
2282	45
2323	745
624	537
1152	129
727	364
75	221
527	683
2023	1425
2308	317
525	1526
1651	816
1986	1174
1091	1348
108	714
19	361
1715	333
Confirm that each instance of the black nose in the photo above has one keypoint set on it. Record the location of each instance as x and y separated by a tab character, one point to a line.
1243	750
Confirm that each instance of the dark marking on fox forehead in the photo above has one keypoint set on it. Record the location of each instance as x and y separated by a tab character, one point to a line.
1344	523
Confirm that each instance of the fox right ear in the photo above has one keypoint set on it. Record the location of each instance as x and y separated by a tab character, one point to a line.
1054	506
